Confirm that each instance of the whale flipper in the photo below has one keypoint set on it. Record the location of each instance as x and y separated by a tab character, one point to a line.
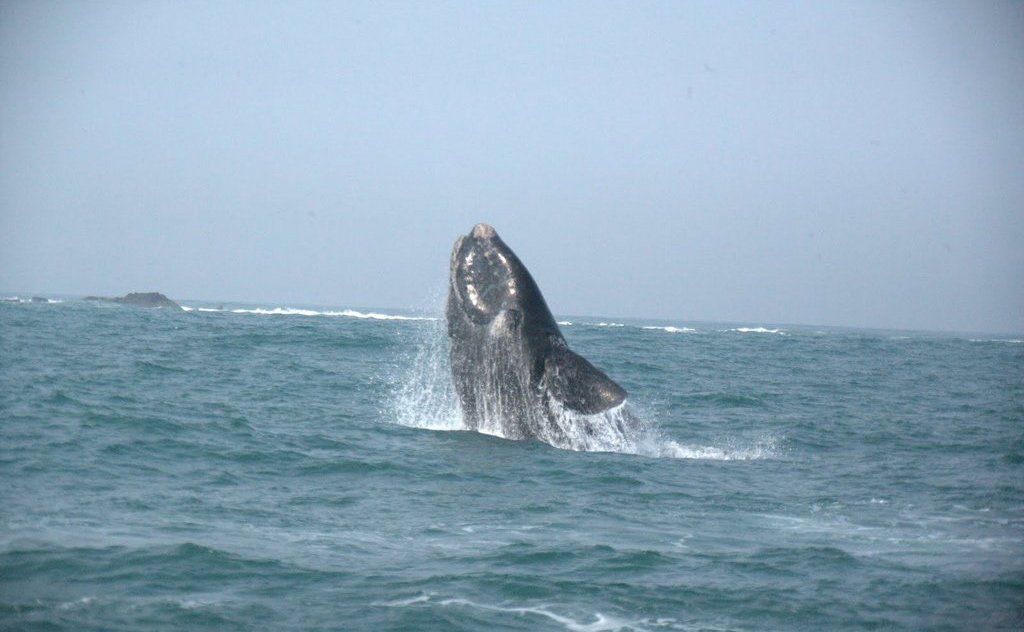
578	384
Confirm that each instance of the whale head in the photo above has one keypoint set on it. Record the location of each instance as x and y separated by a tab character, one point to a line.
489	284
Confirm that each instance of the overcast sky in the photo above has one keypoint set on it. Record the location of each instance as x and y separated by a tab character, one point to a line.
837	163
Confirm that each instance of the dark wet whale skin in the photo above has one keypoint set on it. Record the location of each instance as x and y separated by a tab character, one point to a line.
511	367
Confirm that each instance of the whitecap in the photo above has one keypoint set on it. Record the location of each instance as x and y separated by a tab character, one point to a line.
672	330
18	299
277	311
346	313
403	603
601	623
758	330
351	313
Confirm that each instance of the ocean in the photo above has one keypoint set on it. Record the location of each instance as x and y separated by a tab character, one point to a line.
262	467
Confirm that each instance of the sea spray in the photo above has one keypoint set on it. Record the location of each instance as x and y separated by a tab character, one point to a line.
425	398
423	393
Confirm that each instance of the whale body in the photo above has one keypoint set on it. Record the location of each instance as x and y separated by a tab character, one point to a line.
513	372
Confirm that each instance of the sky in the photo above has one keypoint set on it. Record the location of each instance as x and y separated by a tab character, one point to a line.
827	163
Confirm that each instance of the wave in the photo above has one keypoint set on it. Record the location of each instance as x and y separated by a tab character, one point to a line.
203	309
672	330
292	311
34	299
564	322
1012	341
758	330
604	324
598	622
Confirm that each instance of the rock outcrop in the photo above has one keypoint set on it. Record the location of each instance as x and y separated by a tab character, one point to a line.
139	299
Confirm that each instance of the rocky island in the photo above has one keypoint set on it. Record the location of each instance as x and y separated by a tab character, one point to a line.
139	299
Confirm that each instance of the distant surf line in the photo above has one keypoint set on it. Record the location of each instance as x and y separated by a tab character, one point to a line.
292	311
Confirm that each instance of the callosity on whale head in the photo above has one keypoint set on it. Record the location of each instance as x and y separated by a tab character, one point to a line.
513	372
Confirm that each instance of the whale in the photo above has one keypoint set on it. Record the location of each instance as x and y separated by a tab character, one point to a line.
513	373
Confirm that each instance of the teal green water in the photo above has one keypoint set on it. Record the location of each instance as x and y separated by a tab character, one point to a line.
301	470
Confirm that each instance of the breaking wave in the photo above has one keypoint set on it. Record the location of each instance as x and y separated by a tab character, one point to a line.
759	330
34	299
292	311
672	330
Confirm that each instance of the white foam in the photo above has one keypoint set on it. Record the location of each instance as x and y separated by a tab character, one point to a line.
277	311
604	324
565	323
672	330
68	605
761	450
193	604
758	330
403	603
614	430
601	623
1012	341
16	299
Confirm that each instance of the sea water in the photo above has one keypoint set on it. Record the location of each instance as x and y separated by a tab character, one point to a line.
268	467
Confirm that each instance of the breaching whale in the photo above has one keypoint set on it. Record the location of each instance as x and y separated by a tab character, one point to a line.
514	374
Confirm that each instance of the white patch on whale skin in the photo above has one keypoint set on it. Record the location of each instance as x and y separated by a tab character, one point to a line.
473	296
483	231
502	323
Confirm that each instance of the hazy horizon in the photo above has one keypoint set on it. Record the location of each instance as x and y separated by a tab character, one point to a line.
848	164
435	309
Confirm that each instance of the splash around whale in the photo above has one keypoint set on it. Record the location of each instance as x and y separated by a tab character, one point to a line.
513	372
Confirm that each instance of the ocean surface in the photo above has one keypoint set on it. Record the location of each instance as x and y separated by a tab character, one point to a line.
265	467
